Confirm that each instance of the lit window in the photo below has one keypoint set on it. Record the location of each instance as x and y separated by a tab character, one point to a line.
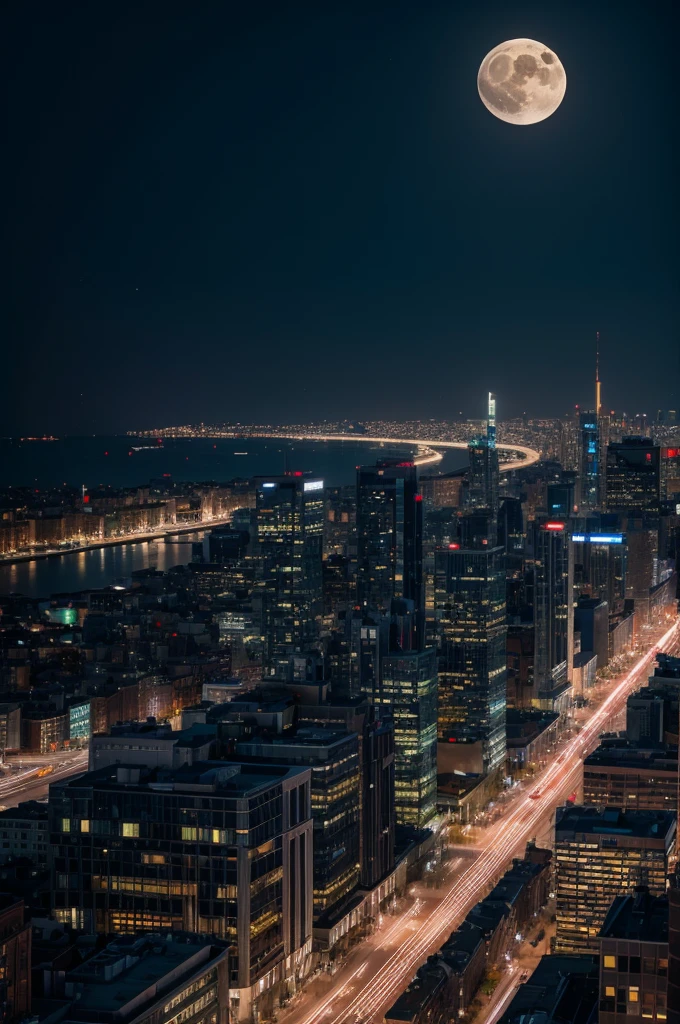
610	962
130	829
65	824
610	990
84	825
633	994
190	834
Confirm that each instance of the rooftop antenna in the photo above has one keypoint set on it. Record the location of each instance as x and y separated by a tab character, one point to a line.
598	386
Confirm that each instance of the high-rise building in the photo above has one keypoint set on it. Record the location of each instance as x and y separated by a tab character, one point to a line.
633	475
389	537
553	613
471	623
289	542
213	848
589	472
600	855
621	773
333	757
409	689
483	474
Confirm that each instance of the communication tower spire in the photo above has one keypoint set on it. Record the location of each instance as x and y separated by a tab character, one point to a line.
598	386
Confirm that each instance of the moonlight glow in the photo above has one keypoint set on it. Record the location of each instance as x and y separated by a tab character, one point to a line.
521	81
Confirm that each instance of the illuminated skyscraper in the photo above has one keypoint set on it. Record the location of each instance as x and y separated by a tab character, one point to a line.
553	613
409	690
589	450
633	475
484	474
389	537
471	622
289	514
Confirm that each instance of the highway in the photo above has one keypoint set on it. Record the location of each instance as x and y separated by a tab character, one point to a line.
529	455
376	972
26	781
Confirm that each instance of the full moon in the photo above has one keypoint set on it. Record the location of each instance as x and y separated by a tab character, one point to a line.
521	81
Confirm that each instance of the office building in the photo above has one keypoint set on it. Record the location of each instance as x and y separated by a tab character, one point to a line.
23	833
600	561
375	729
483	472
148	980
289	515
471	624
408	691
445	491
215	848
588	495
389	537
553	614
633	475
562	990
620	773
674	948
600	855
591	621
333	758
227	546
634	959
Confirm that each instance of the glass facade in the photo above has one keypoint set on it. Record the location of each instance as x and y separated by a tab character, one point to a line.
199	850
409	687
471	623
553	613
290	522
601	855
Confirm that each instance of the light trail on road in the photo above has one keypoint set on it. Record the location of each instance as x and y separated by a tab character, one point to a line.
529	455
518	824
12	786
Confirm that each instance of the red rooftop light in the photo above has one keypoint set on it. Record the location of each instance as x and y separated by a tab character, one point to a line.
418	497
454	547
554	526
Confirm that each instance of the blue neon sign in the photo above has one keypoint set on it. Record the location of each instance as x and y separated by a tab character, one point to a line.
597	538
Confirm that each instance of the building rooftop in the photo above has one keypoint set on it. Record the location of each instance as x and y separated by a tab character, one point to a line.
640	917
614	821
618	751
29	810
218	777
562	989
429	979
131	974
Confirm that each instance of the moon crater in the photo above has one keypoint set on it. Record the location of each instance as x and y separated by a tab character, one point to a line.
521	81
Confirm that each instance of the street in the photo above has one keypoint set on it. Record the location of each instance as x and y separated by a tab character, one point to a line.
32	774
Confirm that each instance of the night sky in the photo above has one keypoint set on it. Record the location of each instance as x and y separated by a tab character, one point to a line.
284	211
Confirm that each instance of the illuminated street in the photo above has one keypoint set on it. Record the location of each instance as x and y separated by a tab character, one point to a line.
376	972
32	774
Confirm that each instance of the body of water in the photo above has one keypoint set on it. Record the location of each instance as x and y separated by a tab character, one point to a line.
95	461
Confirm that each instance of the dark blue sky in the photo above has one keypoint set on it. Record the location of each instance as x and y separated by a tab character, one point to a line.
278	211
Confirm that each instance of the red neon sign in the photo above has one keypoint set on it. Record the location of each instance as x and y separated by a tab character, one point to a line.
454	547
554	526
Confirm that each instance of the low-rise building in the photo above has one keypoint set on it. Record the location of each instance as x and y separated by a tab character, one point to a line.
150	980
23	833
562	990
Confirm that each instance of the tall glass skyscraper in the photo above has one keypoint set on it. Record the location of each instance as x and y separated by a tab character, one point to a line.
389	537
289	516
589	462
553	613
409	688
471	621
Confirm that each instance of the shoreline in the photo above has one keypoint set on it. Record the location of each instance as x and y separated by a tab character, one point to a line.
132	538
